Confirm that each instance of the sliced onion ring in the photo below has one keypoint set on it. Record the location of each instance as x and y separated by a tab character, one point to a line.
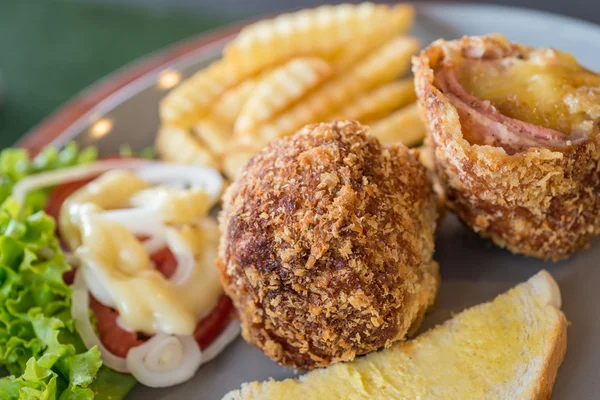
147	361
165	360
95	283
52	178
183	175
138	221
155	243
185	266
80	312
179	175
186	261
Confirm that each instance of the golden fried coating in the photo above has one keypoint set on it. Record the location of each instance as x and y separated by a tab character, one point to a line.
327	245
530	188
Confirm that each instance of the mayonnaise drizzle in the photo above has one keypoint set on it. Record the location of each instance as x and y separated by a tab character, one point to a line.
116	265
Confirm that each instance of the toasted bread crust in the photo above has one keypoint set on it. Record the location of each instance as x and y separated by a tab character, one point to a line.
557	345
412	369
541	202
327	245
545	383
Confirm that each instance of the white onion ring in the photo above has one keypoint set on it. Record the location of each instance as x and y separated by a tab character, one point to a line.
177	175
96	285
180	175
143	361
228	335
80	312
155	243
147	361
186	261
121	325
52	178
138	221
185	266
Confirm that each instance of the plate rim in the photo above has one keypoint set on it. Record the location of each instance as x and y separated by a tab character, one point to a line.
58	126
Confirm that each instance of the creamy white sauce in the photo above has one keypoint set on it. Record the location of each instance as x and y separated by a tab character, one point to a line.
116	265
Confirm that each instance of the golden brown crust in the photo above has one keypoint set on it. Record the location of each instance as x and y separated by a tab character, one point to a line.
327	245
541	202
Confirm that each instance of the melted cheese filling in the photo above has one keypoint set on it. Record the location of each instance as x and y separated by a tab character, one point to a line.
118	261
547	88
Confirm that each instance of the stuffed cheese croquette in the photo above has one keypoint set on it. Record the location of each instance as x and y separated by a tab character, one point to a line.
516	137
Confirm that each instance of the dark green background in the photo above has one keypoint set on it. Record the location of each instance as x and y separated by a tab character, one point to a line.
50	50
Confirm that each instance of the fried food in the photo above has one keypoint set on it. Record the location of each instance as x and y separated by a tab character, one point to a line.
317	31
259	46
277	75
280	89
175	144
517	156
398	21
191	101
235	159
214	134
327	245
379	102
230	104
384	65
404	125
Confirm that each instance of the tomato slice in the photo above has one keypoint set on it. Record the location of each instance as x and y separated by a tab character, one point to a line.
211	326
116	339
164	261
61	192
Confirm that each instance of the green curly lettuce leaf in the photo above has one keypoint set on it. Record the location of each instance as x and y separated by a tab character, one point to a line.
39	346
15	164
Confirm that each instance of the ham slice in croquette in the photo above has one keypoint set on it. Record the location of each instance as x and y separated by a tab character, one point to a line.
515	133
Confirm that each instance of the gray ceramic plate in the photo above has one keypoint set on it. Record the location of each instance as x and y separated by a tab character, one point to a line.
473	271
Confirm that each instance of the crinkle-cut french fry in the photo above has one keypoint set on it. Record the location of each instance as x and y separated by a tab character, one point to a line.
379	102
316	31
193	98
382	66
215	134
280	89
176	144
404	125
228	107
399	21
235	160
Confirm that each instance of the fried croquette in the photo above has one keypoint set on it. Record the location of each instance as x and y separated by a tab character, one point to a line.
327	245
516	141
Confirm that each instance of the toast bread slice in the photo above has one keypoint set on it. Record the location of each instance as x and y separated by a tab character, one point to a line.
509	348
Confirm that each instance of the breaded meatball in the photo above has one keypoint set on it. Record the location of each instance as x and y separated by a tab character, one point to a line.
518	157
327	245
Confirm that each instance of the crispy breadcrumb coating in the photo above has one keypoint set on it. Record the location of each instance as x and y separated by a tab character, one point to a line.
543	201
327	245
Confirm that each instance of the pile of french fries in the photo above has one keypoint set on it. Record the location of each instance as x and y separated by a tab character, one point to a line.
331	62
